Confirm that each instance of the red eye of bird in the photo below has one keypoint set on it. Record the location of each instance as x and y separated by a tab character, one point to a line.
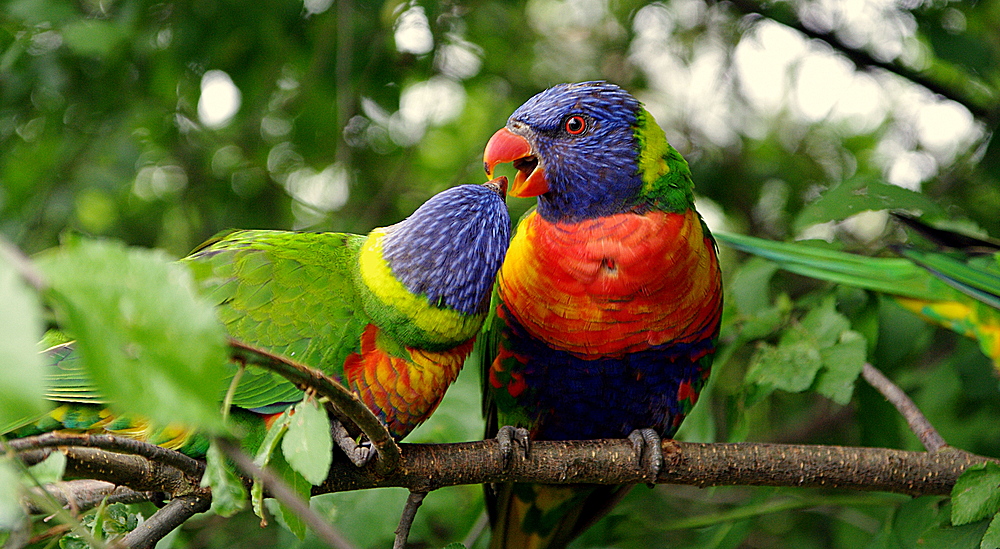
575	125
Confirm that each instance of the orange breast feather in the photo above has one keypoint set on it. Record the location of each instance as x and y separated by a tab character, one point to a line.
613	285
402	392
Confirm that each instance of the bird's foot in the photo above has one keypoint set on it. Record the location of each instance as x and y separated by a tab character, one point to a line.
507	436
359	453
646	443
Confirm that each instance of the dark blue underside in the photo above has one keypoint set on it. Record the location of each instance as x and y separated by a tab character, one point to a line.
571	398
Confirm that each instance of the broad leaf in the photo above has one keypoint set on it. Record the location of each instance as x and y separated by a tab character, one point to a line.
11	513
859	194
307	445
21	366
150	344
228	494
268	448
976	494
299	485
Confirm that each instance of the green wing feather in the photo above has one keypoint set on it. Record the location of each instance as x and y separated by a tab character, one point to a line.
290	293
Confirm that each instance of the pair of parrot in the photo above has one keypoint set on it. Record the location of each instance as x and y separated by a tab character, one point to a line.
603	319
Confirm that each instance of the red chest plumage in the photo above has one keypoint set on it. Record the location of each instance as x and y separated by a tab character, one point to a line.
613	285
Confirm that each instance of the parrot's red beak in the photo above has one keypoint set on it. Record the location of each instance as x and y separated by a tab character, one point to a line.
507	146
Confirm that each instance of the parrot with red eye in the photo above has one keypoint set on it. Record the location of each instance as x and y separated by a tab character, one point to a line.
392	315
607	306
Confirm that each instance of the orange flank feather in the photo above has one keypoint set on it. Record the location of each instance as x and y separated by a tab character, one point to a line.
632	281
406	394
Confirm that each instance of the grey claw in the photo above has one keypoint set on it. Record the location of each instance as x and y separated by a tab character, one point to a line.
507	436
359	454
648	450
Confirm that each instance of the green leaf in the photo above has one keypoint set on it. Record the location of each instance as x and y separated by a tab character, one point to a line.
991	539
22	384
858	194
299	485
976	494
791	366
11	513
228	494
455	545
967	536
751	286
307	445
915	517
93	37
824	324
268	448
842	364
149	343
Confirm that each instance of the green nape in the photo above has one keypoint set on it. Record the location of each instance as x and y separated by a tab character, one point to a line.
666	177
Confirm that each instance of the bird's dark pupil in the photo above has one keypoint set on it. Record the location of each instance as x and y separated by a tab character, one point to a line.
575	125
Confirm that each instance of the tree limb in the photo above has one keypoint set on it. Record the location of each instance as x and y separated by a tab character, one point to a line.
980	108
918	423
426	467
83	494
430	466
175	513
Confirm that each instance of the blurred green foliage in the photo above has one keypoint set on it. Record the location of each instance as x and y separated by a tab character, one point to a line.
162	123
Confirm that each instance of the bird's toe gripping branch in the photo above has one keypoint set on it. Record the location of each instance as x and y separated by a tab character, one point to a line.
507	436
359	454
648	450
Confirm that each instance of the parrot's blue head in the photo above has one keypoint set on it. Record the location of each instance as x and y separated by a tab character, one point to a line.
575	147
451	248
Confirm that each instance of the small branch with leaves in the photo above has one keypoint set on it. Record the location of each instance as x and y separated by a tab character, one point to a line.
147	471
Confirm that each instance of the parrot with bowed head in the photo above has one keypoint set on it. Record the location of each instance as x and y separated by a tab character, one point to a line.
391	315
955	283
607	307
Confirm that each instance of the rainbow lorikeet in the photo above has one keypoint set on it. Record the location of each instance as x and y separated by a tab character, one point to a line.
607	306
955	283
392	315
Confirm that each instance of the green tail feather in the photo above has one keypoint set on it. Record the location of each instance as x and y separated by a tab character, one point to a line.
895	276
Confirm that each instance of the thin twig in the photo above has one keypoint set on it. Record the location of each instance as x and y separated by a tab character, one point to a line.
22	265
918	423
277	488
164	520
413	502
863	59
346	402
477	529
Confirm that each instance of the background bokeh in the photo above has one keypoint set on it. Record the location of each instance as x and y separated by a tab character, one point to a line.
162	123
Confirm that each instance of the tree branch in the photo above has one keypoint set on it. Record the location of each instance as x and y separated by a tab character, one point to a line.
347	405
979	108
83	494
426	467
172	515
918	423
112	443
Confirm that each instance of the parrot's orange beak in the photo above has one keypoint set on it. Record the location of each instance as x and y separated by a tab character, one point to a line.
507	146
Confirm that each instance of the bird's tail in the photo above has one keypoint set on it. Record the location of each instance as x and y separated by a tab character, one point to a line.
544	516
891	275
